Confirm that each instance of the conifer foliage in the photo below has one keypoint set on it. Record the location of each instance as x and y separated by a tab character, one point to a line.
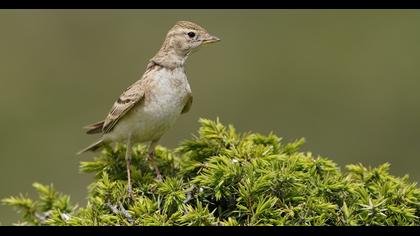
225	178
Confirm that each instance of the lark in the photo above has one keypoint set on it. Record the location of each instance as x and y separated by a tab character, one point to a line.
151	105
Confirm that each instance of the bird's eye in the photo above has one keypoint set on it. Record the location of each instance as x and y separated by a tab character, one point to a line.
191	34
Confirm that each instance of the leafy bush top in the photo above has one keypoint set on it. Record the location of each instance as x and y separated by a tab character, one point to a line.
222	177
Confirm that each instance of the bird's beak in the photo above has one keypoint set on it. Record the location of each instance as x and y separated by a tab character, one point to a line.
210	39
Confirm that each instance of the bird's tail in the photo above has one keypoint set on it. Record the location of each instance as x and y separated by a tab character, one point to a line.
94	146
94	128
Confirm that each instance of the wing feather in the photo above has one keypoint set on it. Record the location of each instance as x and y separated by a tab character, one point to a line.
94	128
187	105
130	97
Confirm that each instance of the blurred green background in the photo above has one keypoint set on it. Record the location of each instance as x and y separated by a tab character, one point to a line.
346	80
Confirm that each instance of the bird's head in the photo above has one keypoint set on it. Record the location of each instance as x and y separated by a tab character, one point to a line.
185	36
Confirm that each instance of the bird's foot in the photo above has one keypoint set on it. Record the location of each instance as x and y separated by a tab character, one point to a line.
130	192
158	175
157	171
155	167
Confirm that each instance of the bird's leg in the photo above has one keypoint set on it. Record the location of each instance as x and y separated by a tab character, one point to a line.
128	160
152	158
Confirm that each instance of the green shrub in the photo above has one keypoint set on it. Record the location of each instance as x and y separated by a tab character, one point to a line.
223	177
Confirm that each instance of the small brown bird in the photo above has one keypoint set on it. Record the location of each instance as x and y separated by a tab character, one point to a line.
151	105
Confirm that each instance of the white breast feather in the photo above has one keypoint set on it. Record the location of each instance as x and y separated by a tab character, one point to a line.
150	121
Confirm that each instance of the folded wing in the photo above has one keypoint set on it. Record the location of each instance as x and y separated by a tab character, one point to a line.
130	97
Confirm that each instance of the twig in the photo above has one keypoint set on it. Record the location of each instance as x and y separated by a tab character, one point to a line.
189	194
126	214
121	211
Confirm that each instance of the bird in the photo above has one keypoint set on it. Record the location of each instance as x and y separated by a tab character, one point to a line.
151	106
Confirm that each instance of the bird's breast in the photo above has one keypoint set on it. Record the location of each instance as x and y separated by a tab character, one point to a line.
165	99
166	95
169	91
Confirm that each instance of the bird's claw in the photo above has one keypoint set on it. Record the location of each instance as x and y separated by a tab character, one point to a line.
159	177
130	192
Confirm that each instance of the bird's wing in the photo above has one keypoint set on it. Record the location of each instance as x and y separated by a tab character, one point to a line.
130	97
188	105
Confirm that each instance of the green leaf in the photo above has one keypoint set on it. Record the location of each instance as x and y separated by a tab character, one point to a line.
224	177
